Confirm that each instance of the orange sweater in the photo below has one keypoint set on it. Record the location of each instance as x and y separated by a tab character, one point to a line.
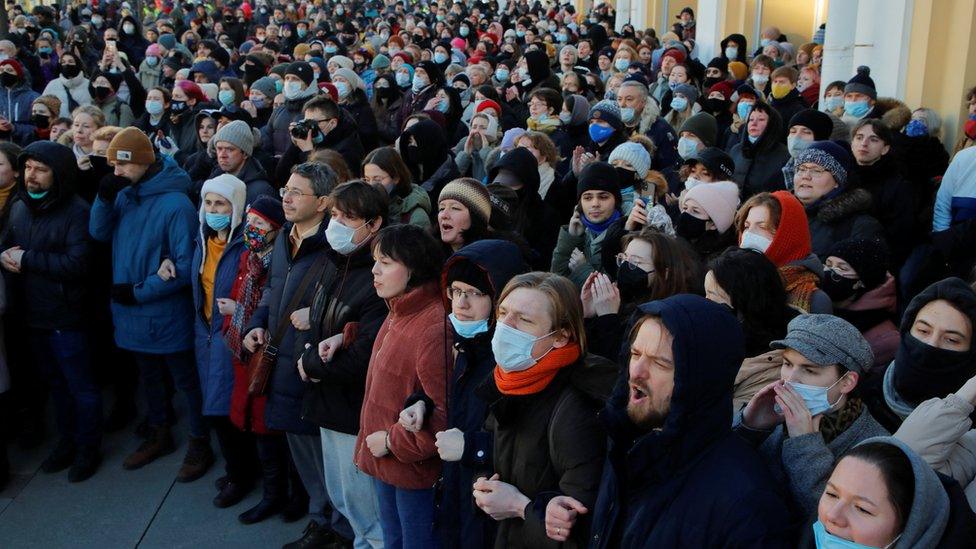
410	354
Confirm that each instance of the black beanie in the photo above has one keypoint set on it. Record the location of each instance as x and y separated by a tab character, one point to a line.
302	70
868	258
862	83
599	176
719	63
818	122
463	270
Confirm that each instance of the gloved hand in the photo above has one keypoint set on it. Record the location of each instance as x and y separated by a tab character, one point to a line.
123	294
110	186
166	146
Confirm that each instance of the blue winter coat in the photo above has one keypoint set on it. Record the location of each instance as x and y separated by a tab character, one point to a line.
693	483
151	221
15	106
214	360
283	412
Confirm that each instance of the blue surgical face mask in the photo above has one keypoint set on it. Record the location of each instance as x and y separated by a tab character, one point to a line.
561	37
444	106
340	237
501	75
419	83
342	89
627	114
520	33
258	102
679	103
621	64
226	97
464	32
833	103
753	138
566	118
279	86
743	109
599	133
440	57
330	49
826	540
403	79
513	348
814	397
217	222
731	52
468	329
857	109
753	241
37	196
292	89
687	146
152	61
154	107
916	128
796	144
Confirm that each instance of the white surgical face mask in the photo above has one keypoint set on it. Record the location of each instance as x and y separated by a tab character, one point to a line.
513	348
796	144
754	241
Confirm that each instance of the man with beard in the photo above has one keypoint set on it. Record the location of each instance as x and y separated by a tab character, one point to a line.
676	475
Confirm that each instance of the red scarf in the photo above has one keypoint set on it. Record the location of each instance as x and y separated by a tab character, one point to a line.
538	377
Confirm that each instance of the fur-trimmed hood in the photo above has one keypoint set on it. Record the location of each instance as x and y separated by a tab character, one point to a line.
893	112
848	203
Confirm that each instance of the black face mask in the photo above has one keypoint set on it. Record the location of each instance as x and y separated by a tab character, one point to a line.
709	82
837	287
626	178
177	107
100	167
252	73
631	279
922	371
70	71
39	120
8	80
690	227
100	93
716	105
386	93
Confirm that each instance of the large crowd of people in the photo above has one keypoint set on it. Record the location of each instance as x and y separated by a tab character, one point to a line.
480	274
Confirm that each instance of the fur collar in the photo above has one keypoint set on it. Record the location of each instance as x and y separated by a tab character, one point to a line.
848	203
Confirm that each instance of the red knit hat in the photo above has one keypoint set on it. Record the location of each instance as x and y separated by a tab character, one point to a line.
405	55
678	54
792	239
18	68
724	87
489	104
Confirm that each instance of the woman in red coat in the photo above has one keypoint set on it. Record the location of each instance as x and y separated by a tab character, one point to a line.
264	219
412	353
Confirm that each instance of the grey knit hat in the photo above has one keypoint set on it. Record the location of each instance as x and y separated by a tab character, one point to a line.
703	126
690	92
609	112
827	340
265	85
238	134
634	154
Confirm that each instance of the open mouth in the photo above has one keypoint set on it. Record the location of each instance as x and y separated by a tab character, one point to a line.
637	394
446	227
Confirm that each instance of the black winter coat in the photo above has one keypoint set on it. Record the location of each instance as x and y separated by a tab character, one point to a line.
255	180
759	165
361	112
841	217
285	389
788	106
343	295
693	483
893	205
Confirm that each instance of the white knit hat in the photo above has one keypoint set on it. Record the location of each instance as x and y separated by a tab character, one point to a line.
350	76
634	154
238	133
719	200
234	191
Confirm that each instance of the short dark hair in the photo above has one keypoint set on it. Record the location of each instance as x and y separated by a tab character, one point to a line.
359	198
390	161
878	126
896	472
322	103
12	151
553	99
415	248
676	266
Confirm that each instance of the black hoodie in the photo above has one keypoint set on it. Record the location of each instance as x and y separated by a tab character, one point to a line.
759	165
53	231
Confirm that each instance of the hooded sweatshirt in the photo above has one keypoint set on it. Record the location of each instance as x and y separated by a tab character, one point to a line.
956	199
672	487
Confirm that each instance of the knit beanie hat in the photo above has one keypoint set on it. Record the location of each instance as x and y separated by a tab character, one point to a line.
466	271
746	89
472	194
302	70
862	83
599	176
868	258
818	122
609	112
154	51
380	62
300	51
233	190
238	134
690	92
354	80
634	154
703	125
724	87
678	54
738	70
792	239
719	63
265	85
715	160
52	103
167	40
719	200
270	210
131	145
830	156
489	104
510	137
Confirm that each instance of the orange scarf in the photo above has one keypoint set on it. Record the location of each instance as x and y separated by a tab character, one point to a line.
800	284
538	377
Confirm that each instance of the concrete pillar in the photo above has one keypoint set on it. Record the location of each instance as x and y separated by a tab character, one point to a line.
882	42
838	53
708	28
623	14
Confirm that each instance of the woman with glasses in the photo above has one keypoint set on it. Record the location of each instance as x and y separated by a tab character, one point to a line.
472	279
651	266
836	211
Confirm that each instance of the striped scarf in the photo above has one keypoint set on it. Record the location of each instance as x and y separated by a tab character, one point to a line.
252	273
800	284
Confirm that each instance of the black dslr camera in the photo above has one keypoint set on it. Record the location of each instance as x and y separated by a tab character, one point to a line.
300	131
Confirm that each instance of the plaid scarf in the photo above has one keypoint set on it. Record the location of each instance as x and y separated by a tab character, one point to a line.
253	271
835	423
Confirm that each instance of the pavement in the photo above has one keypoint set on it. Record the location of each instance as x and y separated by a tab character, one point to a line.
116	508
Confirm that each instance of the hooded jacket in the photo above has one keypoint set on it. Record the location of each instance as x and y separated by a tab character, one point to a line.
413	209
134	45
53	231
536	220
672	487
15	106
430	161
254	177
148	222
461	523
758	166
843	216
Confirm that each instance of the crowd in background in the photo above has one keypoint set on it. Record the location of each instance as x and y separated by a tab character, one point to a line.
462	274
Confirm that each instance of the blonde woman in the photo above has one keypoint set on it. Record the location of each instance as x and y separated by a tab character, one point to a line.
84	121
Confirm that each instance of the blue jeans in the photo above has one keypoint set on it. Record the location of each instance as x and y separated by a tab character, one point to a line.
306	454
407	517
350	489
63	358
183	370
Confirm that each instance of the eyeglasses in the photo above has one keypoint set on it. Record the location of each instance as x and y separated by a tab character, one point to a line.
457	293
285	191
814	171
635	261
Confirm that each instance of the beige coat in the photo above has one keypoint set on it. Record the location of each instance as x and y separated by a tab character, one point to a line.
941	432
754	374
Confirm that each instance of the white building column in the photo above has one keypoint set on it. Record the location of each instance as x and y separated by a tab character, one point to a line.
882	43
838	51
708	28
623	8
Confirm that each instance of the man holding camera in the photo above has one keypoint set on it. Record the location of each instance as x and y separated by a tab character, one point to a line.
325	125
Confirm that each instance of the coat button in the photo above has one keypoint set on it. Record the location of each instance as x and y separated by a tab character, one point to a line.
481	453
